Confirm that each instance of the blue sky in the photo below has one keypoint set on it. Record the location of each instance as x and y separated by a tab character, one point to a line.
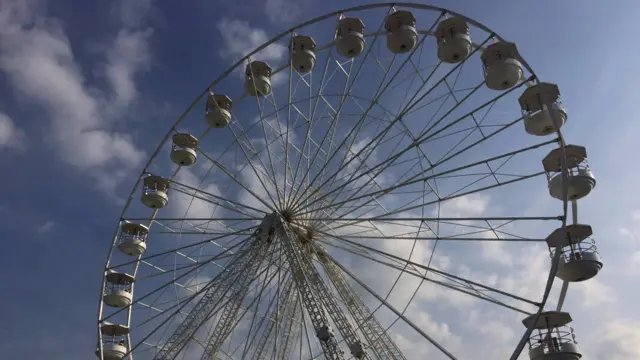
88	89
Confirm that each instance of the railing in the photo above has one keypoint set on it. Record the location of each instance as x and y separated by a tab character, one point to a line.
116	340
129	237
149	190
575	251
552	341
112	288
180	147
580	170
557	105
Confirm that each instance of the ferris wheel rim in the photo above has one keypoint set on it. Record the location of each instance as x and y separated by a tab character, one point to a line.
230	69
312	21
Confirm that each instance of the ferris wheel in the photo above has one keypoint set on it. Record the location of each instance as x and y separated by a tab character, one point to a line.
308	202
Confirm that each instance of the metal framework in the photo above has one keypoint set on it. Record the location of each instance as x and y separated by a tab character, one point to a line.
212	299
327	193
374	333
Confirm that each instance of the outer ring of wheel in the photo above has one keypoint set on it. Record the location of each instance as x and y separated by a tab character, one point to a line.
556	258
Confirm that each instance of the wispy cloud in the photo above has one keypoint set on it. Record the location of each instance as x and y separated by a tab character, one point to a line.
11	137
45	227
38	58
240	38
618	340
128	55
283	12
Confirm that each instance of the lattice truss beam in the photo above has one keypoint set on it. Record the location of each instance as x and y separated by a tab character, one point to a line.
302	287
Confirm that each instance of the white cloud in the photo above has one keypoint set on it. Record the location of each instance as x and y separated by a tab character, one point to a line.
595	293
38	58
133	13
618	340
11	137
192	207
45	227
464	206
635	262
413	345
491	325
240	39
128	55
632	231
408	347
281	12
440	331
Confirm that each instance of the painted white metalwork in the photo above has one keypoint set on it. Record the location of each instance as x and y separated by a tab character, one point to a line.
209	302
341	153
315	296
380	342
237	291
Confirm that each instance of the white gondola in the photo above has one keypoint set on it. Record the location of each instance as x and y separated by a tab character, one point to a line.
114	341
183	149
402	35
349	38
118	289
303	56
218	110
579	257
552	339
502	69
324	333
155	192
257	80
580	178
132	239
454	40
541	105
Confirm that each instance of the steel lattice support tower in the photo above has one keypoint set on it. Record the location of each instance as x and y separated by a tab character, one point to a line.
307	294
239	289
282	306
290	318
378	339
311	287
211	299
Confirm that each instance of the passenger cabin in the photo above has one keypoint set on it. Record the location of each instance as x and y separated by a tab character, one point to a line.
502	67
454	40
542	109
579	257
349	39
552	338
580	179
